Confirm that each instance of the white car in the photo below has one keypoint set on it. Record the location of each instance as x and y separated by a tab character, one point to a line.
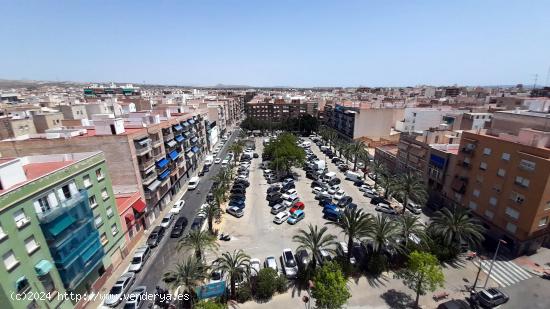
193	183
290	267
167	220
225	162
121	286
137	298
254	267
342	249
178	206
339	195
215	151
271	262
290	194
281	217
364	188
316	190
235	211
218	161
200	212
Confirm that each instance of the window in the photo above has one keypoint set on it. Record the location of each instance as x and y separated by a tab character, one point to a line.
104	239
22	285
109	212
20	218
472	205
31	245
10	261
114	229
512	212
489	214
483	166
510	227
501	172
527	165
505	156
516	197
475	193
493	201
487	151
520	181
104	194
99	174
92	201
543	221
98	221
2	233
479	178
87	182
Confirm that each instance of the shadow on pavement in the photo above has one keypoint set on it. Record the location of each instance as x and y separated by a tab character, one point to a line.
397	300
377	281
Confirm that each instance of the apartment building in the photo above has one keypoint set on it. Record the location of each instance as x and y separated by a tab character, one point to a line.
504	180
45	121
387	155
59	229
277	110
12	127
73	112
144	153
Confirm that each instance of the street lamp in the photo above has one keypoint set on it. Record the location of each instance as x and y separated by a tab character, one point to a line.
493	261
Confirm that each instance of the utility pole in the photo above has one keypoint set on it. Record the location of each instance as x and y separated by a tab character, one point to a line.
493	261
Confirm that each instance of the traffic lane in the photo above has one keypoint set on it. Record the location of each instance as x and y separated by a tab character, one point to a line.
163	257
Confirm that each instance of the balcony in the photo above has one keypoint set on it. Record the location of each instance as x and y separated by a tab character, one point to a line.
145	164
142	150
465	165
156	143
167	135
148	178
64	207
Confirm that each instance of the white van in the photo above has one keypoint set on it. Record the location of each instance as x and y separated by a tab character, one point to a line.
225	162
329	176
353	176
306	144
193	183
140	257
209	160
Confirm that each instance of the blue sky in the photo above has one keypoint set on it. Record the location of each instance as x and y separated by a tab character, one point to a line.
277	43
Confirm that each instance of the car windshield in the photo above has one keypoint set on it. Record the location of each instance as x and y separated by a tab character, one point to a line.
290	262
165	219
295	214
192	183
117	289
136	260
216	275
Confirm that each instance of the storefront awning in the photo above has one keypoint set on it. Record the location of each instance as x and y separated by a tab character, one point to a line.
129	217
191	121
179	138
60	224
139	205
171	143
162	163
195	149
154	185
164	174
178	127
174	155
43	267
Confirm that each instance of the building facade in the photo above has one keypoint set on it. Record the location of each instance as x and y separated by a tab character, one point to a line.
59	227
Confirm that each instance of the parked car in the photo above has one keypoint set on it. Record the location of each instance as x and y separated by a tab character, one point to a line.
167	220
271	262
339	195
137	298
156	236
121	286
291	201
302	257
296	217
290	267
365	187
193	183
273	188
197	223
273	195
243	182
343	202
275	201
323	195
235	211
324	256
237	190
378	200
414	208
254	267
297	206
385	208
239	203
491	297
204	170
277	208
140	257
178	206
237	195
342	250
179	227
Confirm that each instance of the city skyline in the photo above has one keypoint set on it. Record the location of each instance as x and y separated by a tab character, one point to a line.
279	44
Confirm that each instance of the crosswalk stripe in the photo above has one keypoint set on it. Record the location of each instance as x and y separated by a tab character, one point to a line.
495	274
504	273
520	271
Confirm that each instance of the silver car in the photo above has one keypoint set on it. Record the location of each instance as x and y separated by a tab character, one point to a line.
277	208
121	286
137	298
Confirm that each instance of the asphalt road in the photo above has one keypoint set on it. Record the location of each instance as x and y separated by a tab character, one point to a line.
165	255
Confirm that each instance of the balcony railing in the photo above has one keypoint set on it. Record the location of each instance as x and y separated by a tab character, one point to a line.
147	179
168	136
146	164
143	150
63	207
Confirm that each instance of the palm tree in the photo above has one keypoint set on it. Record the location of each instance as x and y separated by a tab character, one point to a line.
457	227
235	264
236	148
383	233
377	168
411	187
387	181
332	139
187	274
211	211
199	241
355	224
411	225
314	241
355	149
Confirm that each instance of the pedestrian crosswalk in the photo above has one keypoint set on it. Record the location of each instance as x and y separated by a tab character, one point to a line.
505	273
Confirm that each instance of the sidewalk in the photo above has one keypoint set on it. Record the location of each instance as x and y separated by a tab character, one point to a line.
536	263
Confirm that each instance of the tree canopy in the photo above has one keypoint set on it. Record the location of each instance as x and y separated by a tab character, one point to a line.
284	153
330	288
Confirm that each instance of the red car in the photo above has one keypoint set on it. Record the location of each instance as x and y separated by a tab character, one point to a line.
298	205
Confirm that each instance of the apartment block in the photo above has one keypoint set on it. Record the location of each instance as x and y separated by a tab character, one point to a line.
504	179
11	127
73	112
45	121
277	110
59	229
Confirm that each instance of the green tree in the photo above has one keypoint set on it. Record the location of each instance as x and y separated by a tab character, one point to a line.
209	304
377	168
187	274
457	227
422	274
330	288
314	240
235	264
383	233
355	149
387	181
355	224
266	283
411	187
199	241
211	211
237	149
411	225
284	153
